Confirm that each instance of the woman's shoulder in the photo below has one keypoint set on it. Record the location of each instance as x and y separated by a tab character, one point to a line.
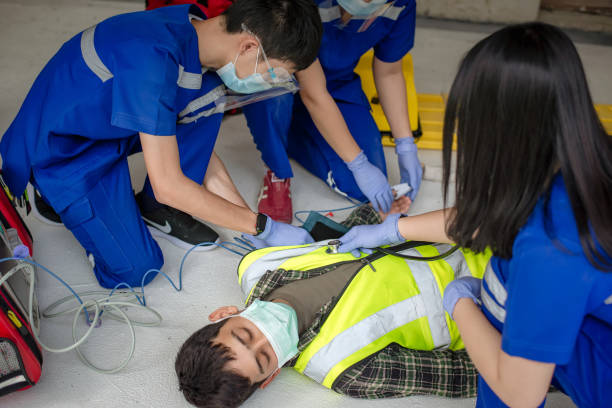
551	224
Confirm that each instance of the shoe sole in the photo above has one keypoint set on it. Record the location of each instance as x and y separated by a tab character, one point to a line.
35	213
180	243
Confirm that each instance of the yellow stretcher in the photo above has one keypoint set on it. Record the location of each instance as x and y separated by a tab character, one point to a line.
426	111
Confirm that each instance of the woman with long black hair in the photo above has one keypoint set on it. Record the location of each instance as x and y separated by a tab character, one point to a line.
533	184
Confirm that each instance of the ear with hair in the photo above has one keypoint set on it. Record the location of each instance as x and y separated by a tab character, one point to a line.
268	380
223	312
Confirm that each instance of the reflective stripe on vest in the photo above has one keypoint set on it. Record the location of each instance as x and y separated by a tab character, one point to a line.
188	80
254	265
498	291
432	299
608	301
90	56
333	13
363	333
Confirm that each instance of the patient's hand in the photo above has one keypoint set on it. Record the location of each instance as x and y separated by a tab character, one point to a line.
399	206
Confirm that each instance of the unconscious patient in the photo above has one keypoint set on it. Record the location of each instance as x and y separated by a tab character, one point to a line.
368	327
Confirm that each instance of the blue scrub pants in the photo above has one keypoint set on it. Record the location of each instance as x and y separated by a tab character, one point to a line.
282	128
488	399
107	222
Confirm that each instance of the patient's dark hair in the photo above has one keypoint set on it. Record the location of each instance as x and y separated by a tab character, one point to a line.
202	378
289	30
522	111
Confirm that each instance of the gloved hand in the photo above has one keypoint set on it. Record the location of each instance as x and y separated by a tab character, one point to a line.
466	287
372	182
279	233
362	237
410	168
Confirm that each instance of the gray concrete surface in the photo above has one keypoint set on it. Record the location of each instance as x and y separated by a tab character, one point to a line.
30	33
495	11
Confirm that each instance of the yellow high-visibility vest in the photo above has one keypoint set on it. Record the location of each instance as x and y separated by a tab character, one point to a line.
389	300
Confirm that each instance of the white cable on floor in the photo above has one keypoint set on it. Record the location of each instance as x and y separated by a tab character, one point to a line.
109	304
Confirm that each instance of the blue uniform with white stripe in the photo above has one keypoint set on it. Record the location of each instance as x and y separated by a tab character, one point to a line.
283	125
136	72
552	305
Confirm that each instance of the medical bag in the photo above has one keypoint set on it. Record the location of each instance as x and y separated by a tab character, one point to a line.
20	354
211	8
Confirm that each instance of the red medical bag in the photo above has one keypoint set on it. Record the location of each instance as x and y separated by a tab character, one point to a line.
20	354
211	8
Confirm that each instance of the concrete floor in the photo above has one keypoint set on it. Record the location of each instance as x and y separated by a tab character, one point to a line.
31	31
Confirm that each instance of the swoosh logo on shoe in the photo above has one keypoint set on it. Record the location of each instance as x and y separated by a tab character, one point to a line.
163	228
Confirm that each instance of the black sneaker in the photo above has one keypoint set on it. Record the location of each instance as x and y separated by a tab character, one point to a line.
178	227
41	210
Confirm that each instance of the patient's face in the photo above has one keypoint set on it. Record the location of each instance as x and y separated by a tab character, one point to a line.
254	356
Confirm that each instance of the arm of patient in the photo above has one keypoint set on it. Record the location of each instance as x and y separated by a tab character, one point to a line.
396	371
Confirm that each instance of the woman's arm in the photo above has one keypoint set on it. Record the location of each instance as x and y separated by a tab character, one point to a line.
426	227
517	381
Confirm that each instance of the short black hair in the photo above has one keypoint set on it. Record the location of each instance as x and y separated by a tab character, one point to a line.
521	107
202	378
289	30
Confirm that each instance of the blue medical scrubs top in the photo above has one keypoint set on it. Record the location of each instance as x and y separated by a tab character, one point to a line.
391	35
552	305
136	72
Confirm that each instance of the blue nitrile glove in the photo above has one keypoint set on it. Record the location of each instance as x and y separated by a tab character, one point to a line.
279	233
361	237
466	287
410	168
372	182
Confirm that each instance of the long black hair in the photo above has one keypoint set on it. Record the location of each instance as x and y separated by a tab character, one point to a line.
522	111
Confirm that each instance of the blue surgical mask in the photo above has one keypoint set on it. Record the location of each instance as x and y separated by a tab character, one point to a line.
360	8
251	84
278	323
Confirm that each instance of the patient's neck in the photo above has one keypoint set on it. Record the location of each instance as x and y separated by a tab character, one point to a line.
277	300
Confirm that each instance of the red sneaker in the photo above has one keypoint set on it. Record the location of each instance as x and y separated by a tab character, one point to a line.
275	198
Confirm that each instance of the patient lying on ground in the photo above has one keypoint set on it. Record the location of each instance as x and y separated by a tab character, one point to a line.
339	324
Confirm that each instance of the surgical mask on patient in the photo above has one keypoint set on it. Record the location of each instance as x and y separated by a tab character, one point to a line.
278	323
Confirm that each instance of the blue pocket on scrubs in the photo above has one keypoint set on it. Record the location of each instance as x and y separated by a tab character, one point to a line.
95	236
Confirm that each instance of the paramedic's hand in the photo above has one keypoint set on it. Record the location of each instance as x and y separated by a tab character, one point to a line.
372	182
361	237
410	168
466	287
279	233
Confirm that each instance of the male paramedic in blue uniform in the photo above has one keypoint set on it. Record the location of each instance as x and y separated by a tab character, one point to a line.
148	81
328	128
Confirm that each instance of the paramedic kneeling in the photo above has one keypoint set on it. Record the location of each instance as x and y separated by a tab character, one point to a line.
148	81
